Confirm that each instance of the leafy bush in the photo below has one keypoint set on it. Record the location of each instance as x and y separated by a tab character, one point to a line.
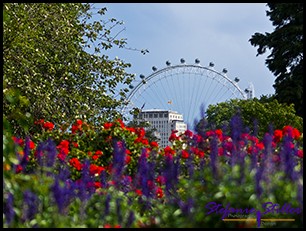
255	113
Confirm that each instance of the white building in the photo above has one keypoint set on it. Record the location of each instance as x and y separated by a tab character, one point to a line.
164	121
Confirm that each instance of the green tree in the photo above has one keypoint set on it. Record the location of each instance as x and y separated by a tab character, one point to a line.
286	58
46	62
264	112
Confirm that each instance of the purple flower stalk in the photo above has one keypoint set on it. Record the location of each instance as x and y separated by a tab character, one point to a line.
287	155
62	195
213	154
30	205
236	127
171	173
186	206
118	160
85	185
48	147
130	219
106	205
142	174
8	208
118	210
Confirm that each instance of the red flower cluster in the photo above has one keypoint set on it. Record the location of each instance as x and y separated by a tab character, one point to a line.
74	162
46	125
77	126
95	169
63	148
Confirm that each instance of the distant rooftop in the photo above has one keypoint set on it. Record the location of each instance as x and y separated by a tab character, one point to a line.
158	110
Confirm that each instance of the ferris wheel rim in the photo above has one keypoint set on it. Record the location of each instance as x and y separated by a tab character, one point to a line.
178	66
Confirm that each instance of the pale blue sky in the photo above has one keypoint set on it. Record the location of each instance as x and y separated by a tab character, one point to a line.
211	32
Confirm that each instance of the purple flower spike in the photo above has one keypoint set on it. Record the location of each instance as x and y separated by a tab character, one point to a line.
30	205
118	160
130	219
214	154
49	148
8	208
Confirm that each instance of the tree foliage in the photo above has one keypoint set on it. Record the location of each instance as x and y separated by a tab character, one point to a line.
46	62
286	45
254	113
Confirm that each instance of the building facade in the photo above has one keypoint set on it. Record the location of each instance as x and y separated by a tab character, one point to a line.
164	121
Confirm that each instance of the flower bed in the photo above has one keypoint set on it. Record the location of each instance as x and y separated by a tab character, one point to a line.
112	176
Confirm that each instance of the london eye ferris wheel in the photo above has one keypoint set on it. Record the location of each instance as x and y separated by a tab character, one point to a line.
183	88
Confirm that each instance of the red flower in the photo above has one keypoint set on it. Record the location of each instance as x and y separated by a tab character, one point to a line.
94	157
260	146
140	132
128	152
173	137
197	138
138	192
76	163
296	134
74	128
61	156
127	159
99	153
79	122
95	169
63	144
141	140
145	141
278	135
41	121
18	168
107	125
97	184
18	141
48	126
169	151
159	192
220	151
154	144
132	130
209	133
188	133
63	147
245	136
75	144
32	144
121	123
185	154
150	184
218	132
160	180
300	153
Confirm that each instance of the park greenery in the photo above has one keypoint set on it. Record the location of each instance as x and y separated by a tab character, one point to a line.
69	159
257	114
285	44
47	70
